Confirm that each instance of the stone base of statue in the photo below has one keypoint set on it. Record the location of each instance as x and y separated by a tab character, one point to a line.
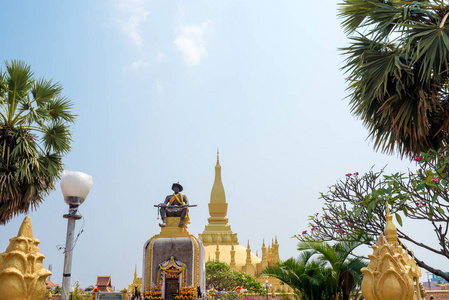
173	259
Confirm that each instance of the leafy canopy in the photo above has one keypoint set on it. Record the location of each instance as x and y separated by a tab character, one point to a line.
221	277
34	135
397	71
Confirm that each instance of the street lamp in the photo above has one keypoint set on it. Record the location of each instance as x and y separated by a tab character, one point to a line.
267	286
74	186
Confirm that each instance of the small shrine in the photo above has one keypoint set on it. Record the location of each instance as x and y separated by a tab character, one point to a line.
391	273
174	259
137	283
104	284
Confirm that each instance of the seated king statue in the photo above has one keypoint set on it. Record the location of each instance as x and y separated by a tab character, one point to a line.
175	205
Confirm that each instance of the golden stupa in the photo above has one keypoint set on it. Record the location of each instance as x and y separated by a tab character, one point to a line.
221	243
22	276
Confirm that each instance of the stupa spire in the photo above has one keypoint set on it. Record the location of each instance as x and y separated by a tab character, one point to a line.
217	194
218	228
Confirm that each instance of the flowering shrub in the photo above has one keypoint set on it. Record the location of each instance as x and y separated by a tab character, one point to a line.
187	293
153	293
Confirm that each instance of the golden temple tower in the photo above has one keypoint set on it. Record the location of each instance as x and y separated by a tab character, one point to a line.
222	244
217	233
218	229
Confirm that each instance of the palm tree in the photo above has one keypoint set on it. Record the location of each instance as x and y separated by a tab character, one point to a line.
34	135
310	279
345	269
397	66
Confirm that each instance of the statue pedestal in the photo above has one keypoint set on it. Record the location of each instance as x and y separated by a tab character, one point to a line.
173	259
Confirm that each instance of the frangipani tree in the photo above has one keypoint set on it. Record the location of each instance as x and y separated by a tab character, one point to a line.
34	135
357	203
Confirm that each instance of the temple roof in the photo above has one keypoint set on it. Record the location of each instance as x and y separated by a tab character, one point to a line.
103	281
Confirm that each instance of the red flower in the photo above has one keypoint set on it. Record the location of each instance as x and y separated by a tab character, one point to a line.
349	174
356	173
304	232
419	158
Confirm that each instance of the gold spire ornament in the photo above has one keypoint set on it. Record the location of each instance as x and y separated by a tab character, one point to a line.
391	273
22	276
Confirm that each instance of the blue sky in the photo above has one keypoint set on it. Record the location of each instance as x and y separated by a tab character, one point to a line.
158	86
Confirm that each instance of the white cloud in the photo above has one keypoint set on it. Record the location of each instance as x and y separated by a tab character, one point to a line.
136	65
160	57
132	14
139	64
191	41
159	86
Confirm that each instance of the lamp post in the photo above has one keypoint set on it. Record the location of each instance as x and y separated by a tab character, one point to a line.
267	286
74	186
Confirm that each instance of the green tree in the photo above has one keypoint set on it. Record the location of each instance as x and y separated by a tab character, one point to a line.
357	203
345	269
220	277
397	71
34	135
310	279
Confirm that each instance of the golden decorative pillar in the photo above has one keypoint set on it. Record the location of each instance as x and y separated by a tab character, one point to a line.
249	268
232	263
391	273
21	273
217	253
264	262
276	250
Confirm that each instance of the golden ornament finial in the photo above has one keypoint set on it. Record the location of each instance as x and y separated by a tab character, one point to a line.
25	229
218	156
248	245
391	232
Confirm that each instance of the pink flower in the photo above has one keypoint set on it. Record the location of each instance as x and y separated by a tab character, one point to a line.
435	179
349	174
356	173
313	228
304	232
338	225
316	214
417	203
349	224
442	155
418	158
422	203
